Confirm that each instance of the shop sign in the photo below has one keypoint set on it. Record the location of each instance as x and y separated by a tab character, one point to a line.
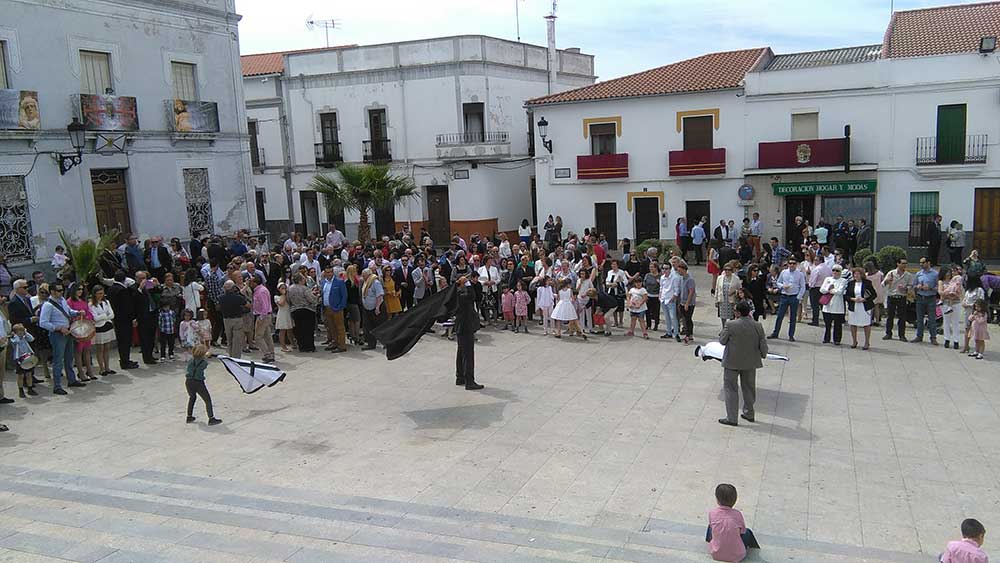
825	188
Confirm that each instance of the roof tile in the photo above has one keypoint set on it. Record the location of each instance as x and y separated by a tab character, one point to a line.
274	63
714	71
941	30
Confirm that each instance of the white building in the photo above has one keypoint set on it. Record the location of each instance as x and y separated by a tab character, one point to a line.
447	112
157	85
923	112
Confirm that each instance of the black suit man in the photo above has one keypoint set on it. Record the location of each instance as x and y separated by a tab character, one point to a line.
146	315
466	325
158	259
746	346
403	278
123	301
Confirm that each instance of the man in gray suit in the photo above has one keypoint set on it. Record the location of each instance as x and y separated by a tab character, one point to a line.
746	346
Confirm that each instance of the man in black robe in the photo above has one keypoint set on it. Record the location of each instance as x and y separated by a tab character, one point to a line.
466	326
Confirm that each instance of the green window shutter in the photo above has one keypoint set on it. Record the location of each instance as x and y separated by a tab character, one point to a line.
923	203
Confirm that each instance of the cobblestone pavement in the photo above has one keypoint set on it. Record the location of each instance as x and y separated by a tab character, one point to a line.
576	451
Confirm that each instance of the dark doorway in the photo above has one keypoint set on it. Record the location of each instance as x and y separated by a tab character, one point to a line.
310	212
647	218
534	203
336	217
695	210
606	220
986	225
438	214
260	210
698	132
798	206
385	221
111	201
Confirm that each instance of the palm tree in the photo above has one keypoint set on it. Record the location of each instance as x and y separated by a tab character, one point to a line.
363	188
84	256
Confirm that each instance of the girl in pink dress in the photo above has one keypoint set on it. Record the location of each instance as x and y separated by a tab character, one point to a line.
521	300
78	302
978	329
507	307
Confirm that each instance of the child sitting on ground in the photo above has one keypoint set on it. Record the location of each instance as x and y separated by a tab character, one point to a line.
728	536
969	548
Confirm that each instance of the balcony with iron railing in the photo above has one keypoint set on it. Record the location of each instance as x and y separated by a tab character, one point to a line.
328	154
377	151
965	149
473	145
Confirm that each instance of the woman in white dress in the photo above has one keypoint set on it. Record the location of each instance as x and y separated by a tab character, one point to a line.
192	292
565	310
283	320
860	299
104	316
833	309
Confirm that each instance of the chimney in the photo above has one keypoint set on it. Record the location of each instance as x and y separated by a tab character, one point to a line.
553	54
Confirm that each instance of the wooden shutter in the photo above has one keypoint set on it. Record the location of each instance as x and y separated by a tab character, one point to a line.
698	132
185	85
95	72
951	134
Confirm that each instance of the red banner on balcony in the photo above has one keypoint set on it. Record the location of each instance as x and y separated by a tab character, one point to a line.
599	166
697	162
801	154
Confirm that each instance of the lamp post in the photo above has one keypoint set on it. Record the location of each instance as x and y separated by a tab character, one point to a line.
543	130
77	138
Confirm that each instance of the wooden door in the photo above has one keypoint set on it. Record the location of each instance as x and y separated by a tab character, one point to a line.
110	201
698	132
951	134
986	227
606	219
376	125
695	210
438	214
647	218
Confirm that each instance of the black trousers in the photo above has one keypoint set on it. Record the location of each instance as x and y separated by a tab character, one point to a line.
814	295
896	309
304	329
687	319
147	335
123	337
653	312
465	359
697	253
196	388
166	345
215	318
372	319
837	321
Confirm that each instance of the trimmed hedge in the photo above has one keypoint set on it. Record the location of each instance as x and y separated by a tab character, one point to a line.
663	246
862	256
887	257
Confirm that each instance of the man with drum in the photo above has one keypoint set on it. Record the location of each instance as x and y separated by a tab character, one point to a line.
55	317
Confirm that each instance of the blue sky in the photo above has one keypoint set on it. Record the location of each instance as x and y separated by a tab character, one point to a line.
626	36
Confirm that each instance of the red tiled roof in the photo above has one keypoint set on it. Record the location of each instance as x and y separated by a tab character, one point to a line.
274	63
714	71
941	30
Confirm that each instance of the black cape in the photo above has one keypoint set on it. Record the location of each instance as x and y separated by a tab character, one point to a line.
402	332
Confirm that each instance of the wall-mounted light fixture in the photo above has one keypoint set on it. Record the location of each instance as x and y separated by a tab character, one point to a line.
77	137
543	131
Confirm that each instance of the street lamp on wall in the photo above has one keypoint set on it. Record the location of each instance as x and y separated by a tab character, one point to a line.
543	130
77	138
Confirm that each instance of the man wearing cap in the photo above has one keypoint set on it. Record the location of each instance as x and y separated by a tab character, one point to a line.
55	317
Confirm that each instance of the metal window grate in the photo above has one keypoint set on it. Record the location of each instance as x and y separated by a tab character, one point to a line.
455	139
198	197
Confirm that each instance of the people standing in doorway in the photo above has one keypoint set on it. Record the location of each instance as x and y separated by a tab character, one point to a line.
933	240
956	242
698	241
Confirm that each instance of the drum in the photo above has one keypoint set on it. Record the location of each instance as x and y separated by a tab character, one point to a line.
27	361
82	329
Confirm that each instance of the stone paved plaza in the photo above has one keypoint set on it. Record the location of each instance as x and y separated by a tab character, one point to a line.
605	450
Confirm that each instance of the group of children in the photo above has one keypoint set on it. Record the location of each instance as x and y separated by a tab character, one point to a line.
729	538
189	332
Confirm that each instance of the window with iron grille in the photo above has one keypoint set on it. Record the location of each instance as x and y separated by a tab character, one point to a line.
3	65
185	85
923	209
15	223
198	197
95	73
602	138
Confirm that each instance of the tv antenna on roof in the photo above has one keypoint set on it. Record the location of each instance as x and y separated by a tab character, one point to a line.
327	25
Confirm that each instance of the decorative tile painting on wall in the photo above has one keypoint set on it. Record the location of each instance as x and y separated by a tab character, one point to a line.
19	110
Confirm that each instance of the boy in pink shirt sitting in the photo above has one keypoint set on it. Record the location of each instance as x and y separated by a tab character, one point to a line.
728	537
967	549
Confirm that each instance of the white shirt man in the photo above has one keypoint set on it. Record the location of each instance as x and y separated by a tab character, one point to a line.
334	238
309	261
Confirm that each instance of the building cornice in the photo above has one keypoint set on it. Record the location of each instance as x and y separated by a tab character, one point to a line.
620	98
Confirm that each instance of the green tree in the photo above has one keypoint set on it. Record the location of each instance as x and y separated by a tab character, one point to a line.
363	188
84	255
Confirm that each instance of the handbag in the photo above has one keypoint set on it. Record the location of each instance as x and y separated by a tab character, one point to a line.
825	298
